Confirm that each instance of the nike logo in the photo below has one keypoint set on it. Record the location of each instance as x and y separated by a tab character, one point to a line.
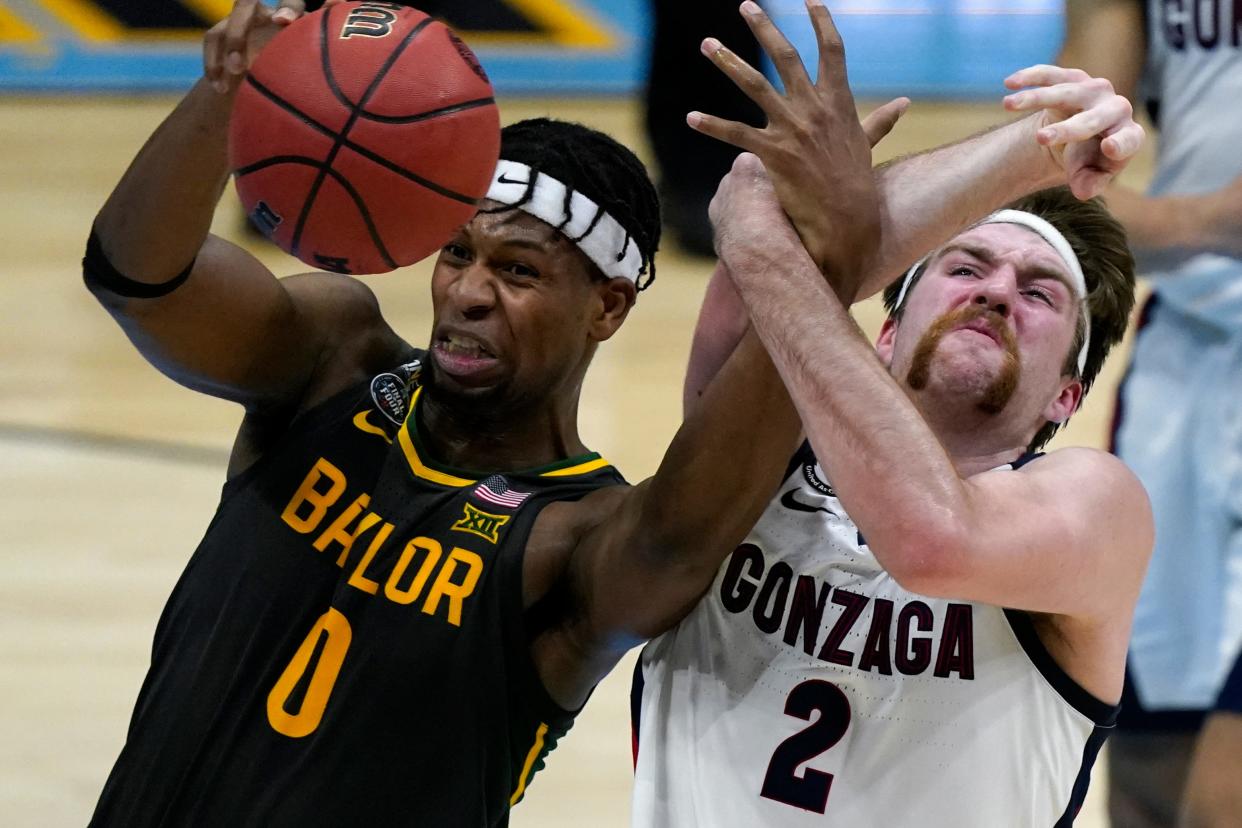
789	502
500	179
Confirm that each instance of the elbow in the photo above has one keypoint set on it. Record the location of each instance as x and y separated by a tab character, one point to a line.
929	561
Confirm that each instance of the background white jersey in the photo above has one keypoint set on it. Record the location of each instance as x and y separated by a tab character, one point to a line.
1194	76
1179	424
808	688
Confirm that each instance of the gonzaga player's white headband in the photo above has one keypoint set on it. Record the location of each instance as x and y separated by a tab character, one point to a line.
1057	241
597	234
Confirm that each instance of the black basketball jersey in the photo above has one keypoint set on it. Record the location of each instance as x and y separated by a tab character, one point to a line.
348	645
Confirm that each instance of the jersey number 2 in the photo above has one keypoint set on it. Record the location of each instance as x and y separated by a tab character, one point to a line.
809	791
334	628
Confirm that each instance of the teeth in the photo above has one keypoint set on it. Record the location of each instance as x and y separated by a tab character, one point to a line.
463	346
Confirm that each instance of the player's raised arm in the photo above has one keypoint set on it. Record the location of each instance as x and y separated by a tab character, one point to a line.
925	198
201	309
641	559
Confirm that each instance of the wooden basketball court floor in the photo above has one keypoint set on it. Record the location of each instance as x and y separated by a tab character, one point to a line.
109	472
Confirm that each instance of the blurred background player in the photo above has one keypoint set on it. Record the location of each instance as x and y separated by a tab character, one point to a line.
1178	422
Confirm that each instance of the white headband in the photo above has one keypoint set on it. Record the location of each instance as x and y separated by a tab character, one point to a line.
597	234
1057	241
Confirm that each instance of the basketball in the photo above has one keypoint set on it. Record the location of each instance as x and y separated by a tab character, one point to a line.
363	136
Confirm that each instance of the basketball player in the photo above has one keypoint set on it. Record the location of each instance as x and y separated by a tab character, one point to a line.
370	633
928	624
1180	408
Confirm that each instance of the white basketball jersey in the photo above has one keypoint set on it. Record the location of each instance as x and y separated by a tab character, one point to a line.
1194	72
808	688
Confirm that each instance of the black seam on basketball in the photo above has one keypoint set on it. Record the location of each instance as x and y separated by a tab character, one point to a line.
339	179
358	148
353	118
327	63
429	114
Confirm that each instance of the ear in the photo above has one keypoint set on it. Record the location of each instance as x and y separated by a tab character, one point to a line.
886	341
614	298
1065	403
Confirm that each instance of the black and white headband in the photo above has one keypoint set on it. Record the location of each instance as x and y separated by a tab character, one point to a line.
597	234
1057	241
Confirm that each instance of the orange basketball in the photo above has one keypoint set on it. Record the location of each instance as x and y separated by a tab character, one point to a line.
363	136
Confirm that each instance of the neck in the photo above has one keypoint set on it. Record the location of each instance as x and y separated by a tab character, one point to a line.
462	436
974	441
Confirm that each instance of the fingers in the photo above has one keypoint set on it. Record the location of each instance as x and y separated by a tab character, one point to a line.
1109	114
236	31
1125	143
1079	95
784	56
882	120
288	11
213	63
746	77
1044	75
730	132
831	47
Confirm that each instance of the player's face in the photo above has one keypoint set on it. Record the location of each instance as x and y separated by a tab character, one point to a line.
517	316
991	321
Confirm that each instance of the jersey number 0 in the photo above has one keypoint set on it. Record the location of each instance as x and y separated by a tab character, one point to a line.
334	627
810	791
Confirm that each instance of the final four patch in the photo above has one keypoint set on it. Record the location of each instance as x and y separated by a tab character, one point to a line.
391	396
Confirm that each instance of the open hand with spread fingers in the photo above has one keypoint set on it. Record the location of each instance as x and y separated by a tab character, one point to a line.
1087	128
813	147
230	46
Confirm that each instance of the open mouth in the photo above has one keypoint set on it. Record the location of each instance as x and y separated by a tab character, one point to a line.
462	356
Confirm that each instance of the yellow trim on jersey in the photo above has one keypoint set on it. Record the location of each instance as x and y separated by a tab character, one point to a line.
581	468
422	469
447	478
535	750
362	424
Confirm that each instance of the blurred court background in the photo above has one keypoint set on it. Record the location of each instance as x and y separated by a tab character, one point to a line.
109	473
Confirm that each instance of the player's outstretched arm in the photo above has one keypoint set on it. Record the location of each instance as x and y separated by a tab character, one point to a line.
1068	535
228	327
925	198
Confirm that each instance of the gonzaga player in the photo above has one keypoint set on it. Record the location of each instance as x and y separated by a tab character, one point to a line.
927	626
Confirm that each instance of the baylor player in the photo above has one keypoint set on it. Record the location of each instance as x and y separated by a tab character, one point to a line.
371	633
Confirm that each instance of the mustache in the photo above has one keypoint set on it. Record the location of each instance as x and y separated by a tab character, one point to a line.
997	395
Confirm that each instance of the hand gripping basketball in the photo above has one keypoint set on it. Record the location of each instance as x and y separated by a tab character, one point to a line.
230	46
362	136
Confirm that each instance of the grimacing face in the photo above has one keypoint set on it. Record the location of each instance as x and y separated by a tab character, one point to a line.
517	315
997	300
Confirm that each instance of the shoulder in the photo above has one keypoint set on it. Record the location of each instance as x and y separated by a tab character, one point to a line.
558	530
1101	492
356	340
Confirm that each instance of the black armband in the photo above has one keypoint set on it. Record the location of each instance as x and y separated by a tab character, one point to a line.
97	271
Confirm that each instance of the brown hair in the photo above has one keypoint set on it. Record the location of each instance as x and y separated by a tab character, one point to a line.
1100	243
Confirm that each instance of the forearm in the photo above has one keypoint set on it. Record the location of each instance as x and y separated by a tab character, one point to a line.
1163	230
861	424
159	215
927	198
721	325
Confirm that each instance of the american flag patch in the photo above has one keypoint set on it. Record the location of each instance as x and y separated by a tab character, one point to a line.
496	490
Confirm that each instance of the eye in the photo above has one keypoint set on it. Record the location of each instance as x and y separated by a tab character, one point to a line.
963	270
457	251
1040	294
521	271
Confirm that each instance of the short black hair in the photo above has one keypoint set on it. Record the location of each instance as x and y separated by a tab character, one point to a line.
586	160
